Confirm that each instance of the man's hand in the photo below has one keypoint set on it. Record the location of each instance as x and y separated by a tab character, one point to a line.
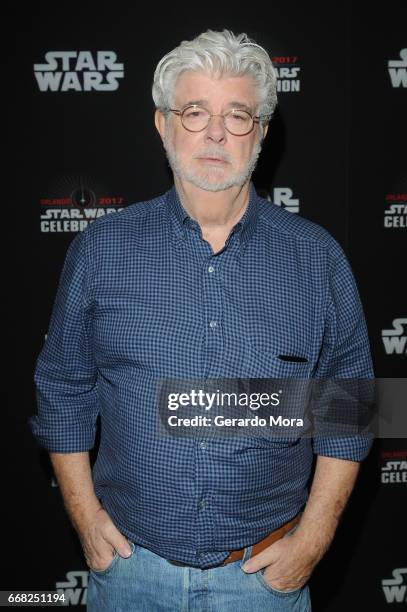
98	534
100	538
289	562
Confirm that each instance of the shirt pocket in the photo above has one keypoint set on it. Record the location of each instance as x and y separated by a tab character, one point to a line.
286	374
277	363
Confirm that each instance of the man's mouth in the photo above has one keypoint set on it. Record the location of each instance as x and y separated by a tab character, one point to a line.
216	160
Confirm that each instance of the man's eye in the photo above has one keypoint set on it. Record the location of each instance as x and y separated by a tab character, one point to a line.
239	117
194	114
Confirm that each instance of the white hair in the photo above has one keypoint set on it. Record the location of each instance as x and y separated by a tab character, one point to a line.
218	53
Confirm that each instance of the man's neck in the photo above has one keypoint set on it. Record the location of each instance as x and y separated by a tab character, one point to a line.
215	211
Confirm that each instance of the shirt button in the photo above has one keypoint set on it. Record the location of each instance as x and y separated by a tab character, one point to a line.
211	269
212	324
203	445
203	503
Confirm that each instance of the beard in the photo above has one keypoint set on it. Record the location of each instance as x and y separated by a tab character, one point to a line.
211	179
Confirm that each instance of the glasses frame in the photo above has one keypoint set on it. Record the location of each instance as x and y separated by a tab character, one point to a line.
180	113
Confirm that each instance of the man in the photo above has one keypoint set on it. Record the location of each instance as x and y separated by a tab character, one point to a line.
209	281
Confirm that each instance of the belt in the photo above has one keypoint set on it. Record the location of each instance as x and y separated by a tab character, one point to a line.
272	537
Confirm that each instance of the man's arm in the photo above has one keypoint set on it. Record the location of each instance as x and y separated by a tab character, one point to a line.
66	378
73	474
331	487
292	559
66	375
97	532
345	355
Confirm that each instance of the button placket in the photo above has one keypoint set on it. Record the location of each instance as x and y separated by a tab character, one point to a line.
212	357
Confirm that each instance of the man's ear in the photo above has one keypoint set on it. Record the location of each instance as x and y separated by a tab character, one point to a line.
159	120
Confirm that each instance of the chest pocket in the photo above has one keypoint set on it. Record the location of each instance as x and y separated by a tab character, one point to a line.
285	373
275	363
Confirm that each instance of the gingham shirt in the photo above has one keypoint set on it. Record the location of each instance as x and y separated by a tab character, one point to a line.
141	297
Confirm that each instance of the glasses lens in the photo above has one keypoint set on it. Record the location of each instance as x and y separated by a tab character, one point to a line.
238	122
195	118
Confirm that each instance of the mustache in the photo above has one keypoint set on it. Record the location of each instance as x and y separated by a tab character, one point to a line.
213	152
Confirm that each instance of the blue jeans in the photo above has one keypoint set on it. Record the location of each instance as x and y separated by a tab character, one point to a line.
146	582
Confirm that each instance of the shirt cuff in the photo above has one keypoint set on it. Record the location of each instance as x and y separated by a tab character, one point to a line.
76	440
352	448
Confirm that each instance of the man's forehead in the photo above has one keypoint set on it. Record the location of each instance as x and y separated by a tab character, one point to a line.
201	88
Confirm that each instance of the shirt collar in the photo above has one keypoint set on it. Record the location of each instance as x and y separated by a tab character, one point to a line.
180	219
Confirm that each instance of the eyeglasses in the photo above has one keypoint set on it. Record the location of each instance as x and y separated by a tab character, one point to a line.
195	118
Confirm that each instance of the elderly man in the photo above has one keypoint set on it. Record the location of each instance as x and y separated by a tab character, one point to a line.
208	280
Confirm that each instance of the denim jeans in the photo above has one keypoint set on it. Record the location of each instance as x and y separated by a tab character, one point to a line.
146	582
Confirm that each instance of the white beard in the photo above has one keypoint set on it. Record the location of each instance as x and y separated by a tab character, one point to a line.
206	179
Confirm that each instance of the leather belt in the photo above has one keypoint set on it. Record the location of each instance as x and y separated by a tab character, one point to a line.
272	537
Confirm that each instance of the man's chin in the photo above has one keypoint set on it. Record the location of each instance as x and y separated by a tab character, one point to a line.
214	188
211	183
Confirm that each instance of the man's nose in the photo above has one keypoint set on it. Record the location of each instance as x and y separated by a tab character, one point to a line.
216	130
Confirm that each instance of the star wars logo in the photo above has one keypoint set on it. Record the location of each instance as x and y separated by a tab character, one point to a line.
75	588
395	589
75	212
396	213
67	220
395	340
283	196
79	71
288	72
394	468
398	70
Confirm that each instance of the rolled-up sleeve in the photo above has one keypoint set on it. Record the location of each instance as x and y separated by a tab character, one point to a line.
65	372
345	355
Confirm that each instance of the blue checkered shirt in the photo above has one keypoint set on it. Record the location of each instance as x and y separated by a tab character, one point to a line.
141	297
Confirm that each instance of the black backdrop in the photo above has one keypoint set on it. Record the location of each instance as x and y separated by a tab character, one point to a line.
335	154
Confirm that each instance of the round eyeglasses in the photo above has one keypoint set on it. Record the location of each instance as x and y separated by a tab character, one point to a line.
195	118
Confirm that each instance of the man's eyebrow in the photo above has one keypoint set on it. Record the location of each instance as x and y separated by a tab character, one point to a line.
197	102
234	104
241	105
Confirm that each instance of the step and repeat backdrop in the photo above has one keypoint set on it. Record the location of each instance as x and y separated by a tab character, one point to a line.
335	154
